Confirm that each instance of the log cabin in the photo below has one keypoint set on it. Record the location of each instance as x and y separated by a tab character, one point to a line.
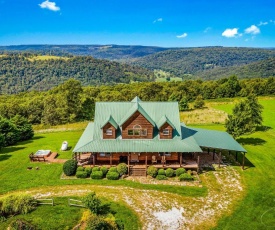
142	133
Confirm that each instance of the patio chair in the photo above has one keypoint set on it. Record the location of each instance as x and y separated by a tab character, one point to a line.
154	159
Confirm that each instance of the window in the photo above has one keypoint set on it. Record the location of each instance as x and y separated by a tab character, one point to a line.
143	132
104	154
109	132
137	127
137	132
167	154
166	132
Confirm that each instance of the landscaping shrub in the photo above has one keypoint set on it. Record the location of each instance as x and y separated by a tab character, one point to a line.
69	167
81	174
104	170
161	177
185	177
112	175
99	223
161	172
95	169
17	204
169	172
190	172
92	202
21	225
152	171
88	171
80	168
113	169
180	171
97	175
122	169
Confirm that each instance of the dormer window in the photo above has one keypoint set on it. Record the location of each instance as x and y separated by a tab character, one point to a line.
166	132
109	132
137	131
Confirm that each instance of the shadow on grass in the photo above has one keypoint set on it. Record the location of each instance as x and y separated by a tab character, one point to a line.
31	140
263	128
251	141
11	149
4	157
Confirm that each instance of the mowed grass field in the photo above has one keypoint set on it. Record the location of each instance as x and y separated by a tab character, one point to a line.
255	211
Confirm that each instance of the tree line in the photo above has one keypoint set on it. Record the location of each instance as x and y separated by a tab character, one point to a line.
71	102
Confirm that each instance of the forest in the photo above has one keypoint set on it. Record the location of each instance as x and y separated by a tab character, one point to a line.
72	102
24	71
195	61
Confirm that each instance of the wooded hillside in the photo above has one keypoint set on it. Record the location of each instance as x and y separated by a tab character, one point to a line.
22	72
195	61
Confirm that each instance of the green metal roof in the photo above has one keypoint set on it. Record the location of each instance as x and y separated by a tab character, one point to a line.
213	139
185	139
87	144
136	99
164	120
111	121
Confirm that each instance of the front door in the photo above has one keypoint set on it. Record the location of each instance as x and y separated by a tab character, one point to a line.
134	157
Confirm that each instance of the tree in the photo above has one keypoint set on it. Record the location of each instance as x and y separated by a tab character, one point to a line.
9	131
183	104
199	102
25	131
92	202
247	115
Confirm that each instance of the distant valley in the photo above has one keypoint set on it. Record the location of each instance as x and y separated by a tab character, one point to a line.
41	67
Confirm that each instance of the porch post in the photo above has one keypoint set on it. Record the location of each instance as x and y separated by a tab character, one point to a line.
94	159
243	161
128	164
78	156
111	159
146	165
198	161
220	156
213	154
180	159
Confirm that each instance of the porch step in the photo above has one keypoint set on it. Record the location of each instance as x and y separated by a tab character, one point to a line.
137	172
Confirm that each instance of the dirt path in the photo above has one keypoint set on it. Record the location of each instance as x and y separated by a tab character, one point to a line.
162	210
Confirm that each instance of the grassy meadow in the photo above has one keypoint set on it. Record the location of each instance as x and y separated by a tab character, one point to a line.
255	210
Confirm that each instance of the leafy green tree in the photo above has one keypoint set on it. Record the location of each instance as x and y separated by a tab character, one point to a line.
183	104
247	115
25	131
9	131
199	102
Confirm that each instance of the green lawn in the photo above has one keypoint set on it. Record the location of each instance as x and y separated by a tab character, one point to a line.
15	176
62	216
255	211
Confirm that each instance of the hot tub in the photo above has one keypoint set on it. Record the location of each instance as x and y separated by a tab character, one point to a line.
43	153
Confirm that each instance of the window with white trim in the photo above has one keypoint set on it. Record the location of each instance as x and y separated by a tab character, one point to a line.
109	132
166	132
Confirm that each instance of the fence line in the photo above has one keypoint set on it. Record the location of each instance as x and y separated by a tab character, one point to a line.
51	202
77	203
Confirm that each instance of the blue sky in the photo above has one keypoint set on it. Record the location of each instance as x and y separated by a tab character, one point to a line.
167	23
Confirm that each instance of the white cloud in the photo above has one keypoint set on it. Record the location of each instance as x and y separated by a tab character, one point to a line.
262	23
158	20
207	29
184	35
230	33
252	30
49	5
